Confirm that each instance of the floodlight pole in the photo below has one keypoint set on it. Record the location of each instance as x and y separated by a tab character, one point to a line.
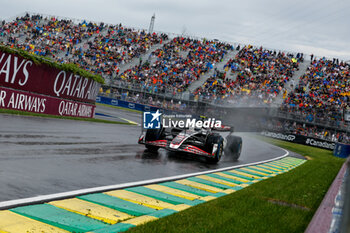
151	25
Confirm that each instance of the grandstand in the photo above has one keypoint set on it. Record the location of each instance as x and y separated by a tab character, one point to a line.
322	91
260	74
193	74
178	63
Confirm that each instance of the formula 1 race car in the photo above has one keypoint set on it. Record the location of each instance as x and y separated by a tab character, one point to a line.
202	142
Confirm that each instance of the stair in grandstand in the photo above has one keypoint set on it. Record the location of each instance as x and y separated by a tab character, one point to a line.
183	53
229	74
153	59
136	61
103	32
145	57
293	82
219	66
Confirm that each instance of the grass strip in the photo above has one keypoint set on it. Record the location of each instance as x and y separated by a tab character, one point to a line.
285	203
17	112
126	109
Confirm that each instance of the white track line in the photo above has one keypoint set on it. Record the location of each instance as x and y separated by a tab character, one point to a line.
50	197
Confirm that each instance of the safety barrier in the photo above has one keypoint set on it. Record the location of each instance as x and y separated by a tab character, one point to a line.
333	213
136	106
125	104
36	103
29	86
345	219
341	150
300	139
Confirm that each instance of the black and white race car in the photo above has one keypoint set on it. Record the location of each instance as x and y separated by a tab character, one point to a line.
201	142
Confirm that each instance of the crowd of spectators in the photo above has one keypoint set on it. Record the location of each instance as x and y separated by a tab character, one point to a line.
322	93
255	75
260	76
261	73
307	130
68	42
118	46
19	25
47	36
178	63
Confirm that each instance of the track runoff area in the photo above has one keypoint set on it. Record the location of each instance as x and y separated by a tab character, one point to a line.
121	207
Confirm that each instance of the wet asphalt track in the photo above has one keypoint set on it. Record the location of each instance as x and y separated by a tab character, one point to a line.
44	156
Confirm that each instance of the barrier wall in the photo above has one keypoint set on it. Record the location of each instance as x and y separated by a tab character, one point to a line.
341	150
31	87
137	106
304	140
125	104
23	101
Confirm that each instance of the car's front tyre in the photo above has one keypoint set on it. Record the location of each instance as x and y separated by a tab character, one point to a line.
213	140
152	148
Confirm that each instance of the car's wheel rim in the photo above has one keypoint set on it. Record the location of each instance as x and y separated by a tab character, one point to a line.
240	149
220	151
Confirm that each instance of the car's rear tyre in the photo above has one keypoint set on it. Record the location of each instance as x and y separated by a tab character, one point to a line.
152	148
233	146
211	141
154	135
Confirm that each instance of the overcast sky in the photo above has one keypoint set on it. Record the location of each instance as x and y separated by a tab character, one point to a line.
321	27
